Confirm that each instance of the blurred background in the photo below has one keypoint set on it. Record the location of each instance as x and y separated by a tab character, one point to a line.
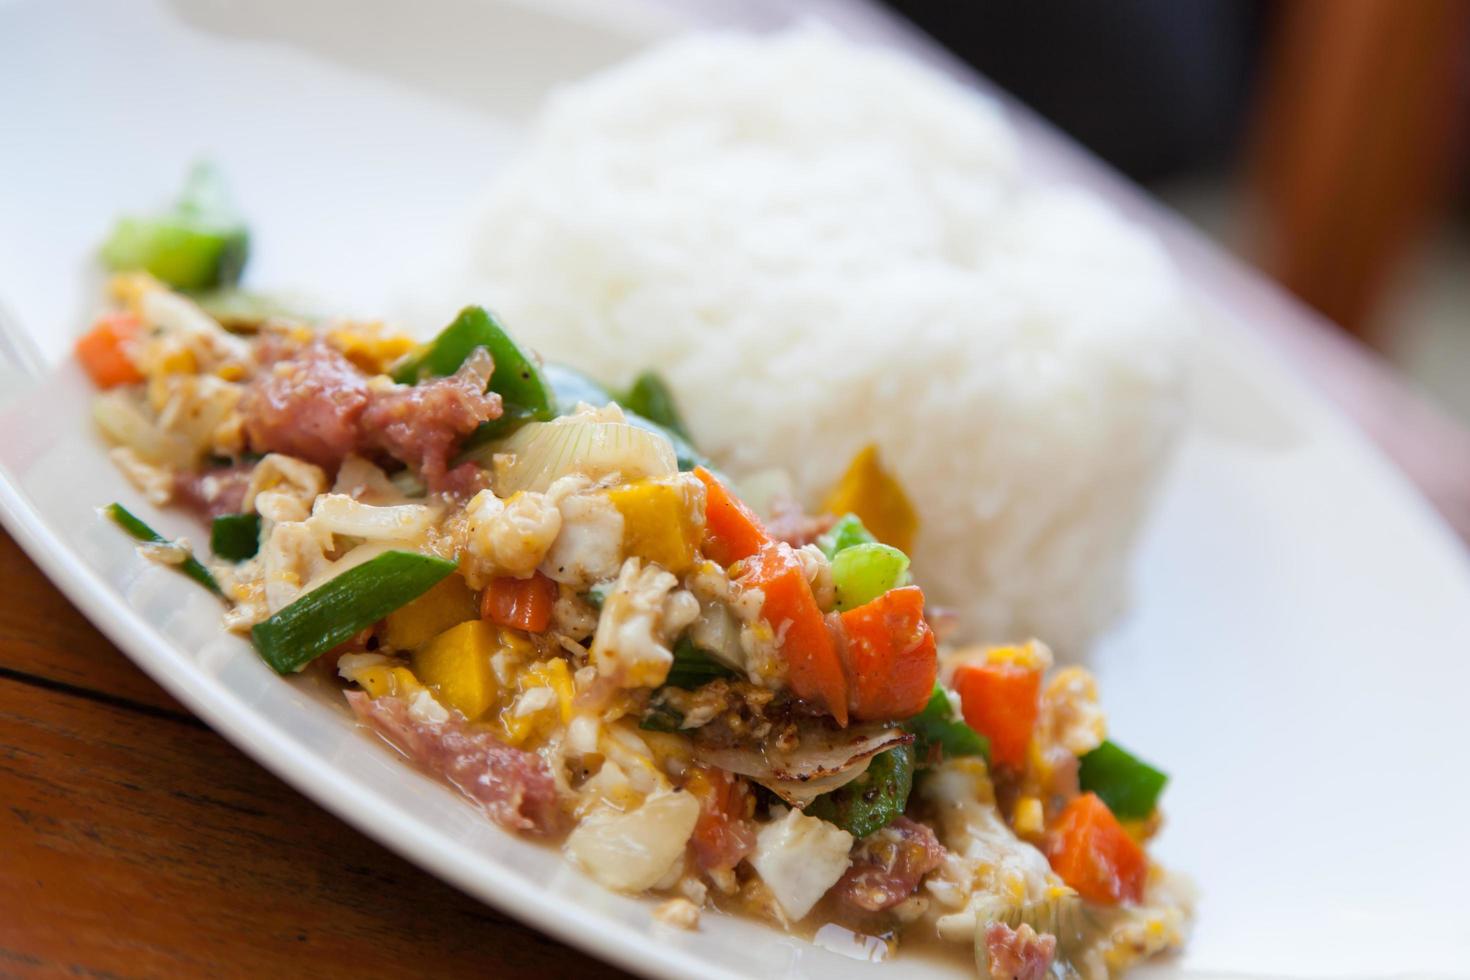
1324	141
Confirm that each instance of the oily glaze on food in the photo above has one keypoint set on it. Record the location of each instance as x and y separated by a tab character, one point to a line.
541	594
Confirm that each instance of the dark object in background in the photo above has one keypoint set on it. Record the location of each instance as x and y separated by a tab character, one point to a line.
1153	86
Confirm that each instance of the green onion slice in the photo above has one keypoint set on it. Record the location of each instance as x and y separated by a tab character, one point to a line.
235	537
139	531
336	611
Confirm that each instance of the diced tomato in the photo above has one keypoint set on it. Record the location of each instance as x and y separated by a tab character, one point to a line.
731	529
723	834
522	603
891	656
1089	849
813	668
1001	702
102	352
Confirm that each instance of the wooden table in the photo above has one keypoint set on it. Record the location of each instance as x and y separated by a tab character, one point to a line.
136	842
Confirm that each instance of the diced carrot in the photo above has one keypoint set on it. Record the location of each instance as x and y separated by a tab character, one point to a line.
101	351
731	529
520	603
813	668
1001	702
1089	849
723	834
891	656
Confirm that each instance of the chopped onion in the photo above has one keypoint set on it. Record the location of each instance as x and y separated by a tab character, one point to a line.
361	480
632	851
717	632
822	760
540	453
123	419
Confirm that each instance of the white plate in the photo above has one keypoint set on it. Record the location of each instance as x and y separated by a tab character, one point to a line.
1298	655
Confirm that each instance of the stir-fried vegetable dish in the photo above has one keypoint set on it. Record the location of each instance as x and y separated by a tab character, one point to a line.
535	587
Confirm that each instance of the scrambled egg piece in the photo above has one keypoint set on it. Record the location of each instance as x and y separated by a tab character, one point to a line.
641	616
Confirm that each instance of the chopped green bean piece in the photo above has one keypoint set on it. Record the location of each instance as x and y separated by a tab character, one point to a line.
334	612
139	531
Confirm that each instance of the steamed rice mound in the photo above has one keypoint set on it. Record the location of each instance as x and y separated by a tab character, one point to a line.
822	246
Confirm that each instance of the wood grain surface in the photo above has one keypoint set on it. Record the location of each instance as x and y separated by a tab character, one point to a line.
134	842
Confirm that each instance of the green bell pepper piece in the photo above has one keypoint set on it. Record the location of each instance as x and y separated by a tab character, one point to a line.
524	391
939	735
200	243
1128	785
651	398
572	387
873	800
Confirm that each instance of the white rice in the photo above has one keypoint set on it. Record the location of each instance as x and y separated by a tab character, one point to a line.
822	246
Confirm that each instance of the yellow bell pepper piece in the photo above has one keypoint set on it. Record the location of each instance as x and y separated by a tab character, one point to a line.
660	521
445	605
456	666
877	498
381	679
521	724
1028	818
